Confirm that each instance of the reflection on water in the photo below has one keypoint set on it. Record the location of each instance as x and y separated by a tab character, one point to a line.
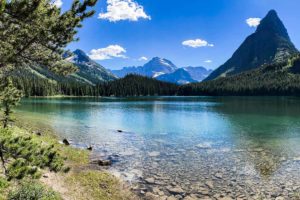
200	147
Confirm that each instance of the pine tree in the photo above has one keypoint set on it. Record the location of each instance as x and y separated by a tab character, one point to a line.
9	98
35	32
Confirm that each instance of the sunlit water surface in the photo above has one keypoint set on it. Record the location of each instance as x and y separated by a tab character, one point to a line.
247	147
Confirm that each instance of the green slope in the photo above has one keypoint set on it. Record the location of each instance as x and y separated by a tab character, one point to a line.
281	78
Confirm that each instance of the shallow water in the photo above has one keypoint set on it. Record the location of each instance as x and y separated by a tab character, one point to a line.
201	147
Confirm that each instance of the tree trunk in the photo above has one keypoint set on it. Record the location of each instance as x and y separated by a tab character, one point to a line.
2	157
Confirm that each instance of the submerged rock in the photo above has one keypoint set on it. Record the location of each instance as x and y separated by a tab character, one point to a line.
150	196
101	162
219	175
296	159
150	180
172	198
38	133
175	190
205	145
154	154
104	162
90	148
209	184
191	197
66	142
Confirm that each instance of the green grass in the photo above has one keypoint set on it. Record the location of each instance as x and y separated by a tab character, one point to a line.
99	185
32	190
4	184
77	180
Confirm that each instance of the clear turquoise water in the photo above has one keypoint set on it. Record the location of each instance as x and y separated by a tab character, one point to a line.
187	139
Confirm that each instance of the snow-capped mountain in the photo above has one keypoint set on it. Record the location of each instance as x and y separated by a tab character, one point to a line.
180	76
165	70
154	68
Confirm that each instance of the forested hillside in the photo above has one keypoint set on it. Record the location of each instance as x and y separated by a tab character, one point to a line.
275	79
131	85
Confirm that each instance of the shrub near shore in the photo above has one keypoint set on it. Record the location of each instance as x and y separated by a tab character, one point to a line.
51	178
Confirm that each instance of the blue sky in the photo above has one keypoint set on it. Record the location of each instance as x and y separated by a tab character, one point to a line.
187	32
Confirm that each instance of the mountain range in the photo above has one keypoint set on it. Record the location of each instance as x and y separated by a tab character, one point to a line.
266	63
270	43
164	70
89	72
92	73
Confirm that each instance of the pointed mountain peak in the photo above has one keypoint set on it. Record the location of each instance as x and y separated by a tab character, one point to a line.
270	43
161	62
272	13
81	56
156	58
272	23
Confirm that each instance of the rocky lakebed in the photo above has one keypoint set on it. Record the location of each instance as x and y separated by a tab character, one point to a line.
217	170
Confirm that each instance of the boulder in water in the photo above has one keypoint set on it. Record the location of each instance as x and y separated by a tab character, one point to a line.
90	148
66	142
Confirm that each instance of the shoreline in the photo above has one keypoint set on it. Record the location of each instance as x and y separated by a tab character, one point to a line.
213	167
83	180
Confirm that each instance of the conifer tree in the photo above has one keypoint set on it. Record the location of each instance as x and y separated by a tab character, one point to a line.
36	32
9	97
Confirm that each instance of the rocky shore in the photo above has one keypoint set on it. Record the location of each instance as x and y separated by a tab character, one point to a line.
209	171
161	169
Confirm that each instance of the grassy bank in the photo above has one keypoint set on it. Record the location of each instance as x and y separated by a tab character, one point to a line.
81	182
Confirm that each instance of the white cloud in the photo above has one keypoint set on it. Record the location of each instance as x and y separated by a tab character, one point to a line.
112	51
196	43
123	10
143	58
208	61
253	22
58	3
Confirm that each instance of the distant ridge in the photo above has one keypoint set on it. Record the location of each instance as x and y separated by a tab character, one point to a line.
155	67
166	70
180	76
270	43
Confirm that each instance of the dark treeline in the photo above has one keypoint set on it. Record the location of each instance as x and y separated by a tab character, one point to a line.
131	85
277	79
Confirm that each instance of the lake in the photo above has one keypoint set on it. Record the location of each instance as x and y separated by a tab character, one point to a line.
193	147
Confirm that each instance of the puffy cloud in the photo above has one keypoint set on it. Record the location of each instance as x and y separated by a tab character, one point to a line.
253	22
123	10
58	3
112	51
196	43
143	58
208	61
